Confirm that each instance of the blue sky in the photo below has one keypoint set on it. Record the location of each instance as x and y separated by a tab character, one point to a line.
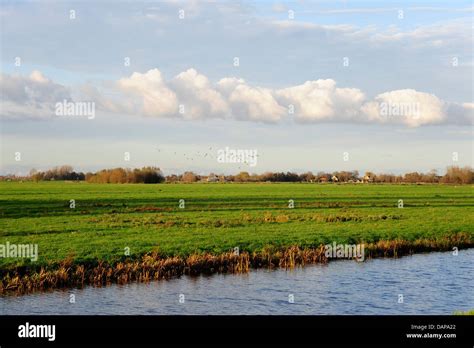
396	53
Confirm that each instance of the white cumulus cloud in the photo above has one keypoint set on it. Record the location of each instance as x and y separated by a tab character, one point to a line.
251	103
190	95
199	98
406	106
32	97
321	100
149	94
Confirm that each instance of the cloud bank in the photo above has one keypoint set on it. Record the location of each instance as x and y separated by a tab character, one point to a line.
191	96
29	97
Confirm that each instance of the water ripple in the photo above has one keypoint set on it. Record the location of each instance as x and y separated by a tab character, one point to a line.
434	283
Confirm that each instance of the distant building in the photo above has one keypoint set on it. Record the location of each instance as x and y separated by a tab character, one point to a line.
222	178
212	178
368	179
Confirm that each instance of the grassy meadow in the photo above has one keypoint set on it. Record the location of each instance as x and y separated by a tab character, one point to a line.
216	218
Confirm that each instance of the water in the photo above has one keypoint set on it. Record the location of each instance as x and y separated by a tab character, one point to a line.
434	283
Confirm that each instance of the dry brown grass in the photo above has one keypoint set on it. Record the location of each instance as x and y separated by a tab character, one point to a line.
153	267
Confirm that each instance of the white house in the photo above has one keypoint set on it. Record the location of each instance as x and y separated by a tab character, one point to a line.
212	178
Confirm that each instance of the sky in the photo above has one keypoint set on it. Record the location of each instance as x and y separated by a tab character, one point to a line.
385	86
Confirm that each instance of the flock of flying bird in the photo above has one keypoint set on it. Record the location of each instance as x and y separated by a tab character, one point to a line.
203	155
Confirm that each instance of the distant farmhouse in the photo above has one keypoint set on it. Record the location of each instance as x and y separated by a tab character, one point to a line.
212	178
368	178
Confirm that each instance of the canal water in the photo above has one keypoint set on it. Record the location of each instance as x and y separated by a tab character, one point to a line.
432	283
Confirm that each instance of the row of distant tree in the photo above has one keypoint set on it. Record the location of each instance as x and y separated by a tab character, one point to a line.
152	175
146	175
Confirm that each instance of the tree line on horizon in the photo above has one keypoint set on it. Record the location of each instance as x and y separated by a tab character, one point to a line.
154	175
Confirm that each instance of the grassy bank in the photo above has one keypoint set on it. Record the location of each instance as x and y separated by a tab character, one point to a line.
154	267
471	312
109	220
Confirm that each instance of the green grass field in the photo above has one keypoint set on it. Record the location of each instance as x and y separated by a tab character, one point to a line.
218	217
